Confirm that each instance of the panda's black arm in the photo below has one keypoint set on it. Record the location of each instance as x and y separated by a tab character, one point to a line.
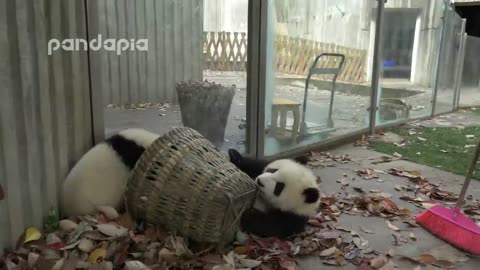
273	223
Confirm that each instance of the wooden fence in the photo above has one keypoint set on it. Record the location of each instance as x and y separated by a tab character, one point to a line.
225	51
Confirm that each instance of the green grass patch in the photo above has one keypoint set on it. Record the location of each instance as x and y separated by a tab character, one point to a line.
444	148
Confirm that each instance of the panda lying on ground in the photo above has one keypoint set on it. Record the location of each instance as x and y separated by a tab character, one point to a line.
99	178
288	196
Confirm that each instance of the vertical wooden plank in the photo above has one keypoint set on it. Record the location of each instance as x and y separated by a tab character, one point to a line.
48	161
96	76
76	80
13	201
170	60
187	38
141	56
132	55
151	55
160	33
177	43
101	29
57	75
26	96
68	96
197	44
125	96
113	58
4	222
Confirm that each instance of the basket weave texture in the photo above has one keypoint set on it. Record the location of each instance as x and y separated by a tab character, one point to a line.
184	183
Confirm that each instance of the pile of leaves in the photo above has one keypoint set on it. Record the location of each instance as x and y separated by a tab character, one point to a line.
363	142
112	241
424	186
140	106
326	159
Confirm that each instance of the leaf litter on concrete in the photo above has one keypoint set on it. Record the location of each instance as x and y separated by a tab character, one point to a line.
112	241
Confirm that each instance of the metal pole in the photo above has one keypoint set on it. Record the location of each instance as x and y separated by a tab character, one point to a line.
377	67
440	51
252	76
262	73
463	45
456	81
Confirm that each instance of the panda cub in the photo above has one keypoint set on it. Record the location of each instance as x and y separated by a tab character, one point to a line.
288	195
100	177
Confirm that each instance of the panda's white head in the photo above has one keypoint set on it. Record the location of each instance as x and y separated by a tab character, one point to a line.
289	186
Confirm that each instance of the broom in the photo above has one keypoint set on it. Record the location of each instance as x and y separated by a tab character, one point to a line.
450	224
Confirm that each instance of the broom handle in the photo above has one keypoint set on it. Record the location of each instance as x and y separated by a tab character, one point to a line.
468	177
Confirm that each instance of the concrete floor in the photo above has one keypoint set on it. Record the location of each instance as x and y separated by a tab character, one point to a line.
381	240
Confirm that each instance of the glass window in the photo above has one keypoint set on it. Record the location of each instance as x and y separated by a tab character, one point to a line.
410	49
470	87
448	65
164	86
318	78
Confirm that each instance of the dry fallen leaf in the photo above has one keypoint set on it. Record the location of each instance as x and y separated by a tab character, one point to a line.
32	234
86	245
421	139
427	259
67	225
287	263
412	236
32	259
328	252
444	264
391	226
97	254
390	265
112	230
396	154
378	262
109	212
247	263
365	230
405	212
135	265
367	174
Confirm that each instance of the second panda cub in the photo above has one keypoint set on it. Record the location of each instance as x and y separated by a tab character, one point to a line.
288	195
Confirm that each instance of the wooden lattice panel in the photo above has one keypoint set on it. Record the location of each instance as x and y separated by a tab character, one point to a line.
227	51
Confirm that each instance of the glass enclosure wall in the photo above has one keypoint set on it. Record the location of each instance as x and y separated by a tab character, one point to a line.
189	43
409	52
318	72
448	63
319	65
470	86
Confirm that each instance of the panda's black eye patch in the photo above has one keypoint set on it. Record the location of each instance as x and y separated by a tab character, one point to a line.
271	170
278	188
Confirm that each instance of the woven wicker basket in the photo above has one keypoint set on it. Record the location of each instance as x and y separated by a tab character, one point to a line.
184	183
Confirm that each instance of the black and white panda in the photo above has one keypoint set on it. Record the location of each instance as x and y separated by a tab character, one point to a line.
99	178
254	167
288	196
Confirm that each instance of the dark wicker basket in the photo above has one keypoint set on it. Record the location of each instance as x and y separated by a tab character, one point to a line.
184	183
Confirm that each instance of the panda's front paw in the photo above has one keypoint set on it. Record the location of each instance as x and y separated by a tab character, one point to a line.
241	237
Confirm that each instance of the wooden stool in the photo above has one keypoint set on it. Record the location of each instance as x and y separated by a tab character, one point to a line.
280	108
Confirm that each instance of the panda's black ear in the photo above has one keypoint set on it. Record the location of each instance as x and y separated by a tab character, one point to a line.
302	160
235	156
311	195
